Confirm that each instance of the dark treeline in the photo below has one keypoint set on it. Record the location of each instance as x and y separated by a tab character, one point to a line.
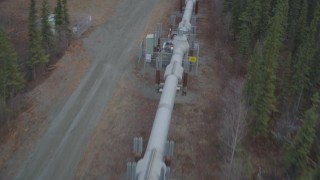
281	40
46	41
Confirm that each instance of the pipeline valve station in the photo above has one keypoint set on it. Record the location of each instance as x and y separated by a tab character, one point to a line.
174	54
156	50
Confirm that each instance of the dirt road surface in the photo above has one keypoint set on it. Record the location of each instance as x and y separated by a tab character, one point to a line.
59	150
195	120
89	131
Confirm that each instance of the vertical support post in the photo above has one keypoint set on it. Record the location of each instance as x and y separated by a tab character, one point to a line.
158	80
140	52
197	6
159	42
167	173
191	53
144	53
137	148
184	83
198	49
131	170
168	152
158	76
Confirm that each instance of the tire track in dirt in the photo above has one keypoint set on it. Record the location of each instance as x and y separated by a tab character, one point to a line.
58	152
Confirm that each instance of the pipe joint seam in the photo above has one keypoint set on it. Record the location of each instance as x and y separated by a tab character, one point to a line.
180	42
165	105
185	26
175	69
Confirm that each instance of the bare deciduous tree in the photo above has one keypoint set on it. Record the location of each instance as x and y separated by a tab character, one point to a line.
233	129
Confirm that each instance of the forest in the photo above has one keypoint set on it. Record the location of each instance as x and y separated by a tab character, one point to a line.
45	44
275	113
280	43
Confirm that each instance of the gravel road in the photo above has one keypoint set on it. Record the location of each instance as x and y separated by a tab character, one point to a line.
57	153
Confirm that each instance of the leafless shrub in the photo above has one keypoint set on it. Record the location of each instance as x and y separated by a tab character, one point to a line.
286	127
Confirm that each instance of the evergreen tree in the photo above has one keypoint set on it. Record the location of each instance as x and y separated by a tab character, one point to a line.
61	13
238	7
262	103
245	39
37	55
58	14
316	174
315	63
249	20
62	25
301	26
32	23
293	16
227	5
66	19
11	78
299	150
285	82
304	57
253	88
46	29
265	14
315	71
252	78
312	174
264	100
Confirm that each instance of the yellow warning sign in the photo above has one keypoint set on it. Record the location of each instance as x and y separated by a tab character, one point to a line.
192	59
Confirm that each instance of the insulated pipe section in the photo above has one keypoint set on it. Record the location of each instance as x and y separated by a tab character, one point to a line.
185	25
172	76
151	166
